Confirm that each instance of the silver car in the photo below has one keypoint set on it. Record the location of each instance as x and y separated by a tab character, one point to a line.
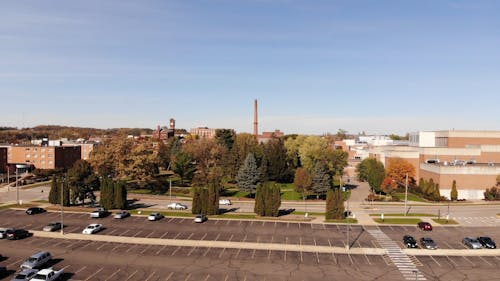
25	275
472	243
428	243
53	226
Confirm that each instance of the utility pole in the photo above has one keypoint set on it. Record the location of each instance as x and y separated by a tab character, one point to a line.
406	192
170	189
17	187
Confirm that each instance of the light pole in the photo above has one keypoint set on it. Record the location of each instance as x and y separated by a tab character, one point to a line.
170	189
406	192
62	209
416	275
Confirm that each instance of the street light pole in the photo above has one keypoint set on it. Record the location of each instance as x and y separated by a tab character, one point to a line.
17	187
406	192
170	189
62	209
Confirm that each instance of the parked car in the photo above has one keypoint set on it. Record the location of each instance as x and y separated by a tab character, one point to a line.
409	241
154	216
36	260
48	274
428	243
53	226
92	228
225	202
3	232
3	271
487	242
121	215
424	226
472	243
200	218
99	213
15	234
35	210
177	206
25	275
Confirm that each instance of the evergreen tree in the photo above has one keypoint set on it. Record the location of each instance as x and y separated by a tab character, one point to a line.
430	189
259	202
66	194
330	205
204	200
54	194
196	206
321	179
249	175
276	202
107	194
339	204
120	195
421	184
213	199
436	194
454	191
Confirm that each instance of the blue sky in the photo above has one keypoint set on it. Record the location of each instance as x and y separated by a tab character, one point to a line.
315	66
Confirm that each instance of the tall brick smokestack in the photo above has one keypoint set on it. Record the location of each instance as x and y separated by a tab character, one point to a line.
256	120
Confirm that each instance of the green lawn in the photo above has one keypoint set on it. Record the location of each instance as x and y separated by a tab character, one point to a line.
402	215
148	191
445	222
309	213
398	221
411	197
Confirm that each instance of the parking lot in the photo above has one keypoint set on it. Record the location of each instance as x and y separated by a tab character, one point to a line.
213	229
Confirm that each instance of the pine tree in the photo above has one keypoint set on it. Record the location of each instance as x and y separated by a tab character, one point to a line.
259	202
204	201
339	204
196	206
54	194
213	199
120	195
321	179
276	202
249	175
330	205
436	194
454	191
66	194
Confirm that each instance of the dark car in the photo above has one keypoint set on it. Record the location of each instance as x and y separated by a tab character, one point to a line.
15	234
424	226
409	241
3	271
487	242
35	210
428	243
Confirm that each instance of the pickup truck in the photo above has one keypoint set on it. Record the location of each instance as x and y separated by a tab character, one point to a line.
48	274
99	213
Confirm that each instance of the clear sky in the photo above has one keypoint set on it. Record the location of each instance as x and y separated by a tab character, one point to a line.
315	66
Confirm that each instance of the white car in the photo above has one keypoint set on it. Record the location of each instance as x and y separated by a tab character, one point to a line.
3	232
154	216
225	202
200	218
92	228
121	215
177	206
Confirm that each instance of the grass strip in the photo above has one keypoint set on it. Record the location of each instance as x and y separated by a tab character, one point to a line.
402	215
445	221
398	221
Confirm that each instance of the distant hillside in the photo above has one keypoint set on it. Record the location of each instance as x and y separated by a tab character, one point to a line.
14	135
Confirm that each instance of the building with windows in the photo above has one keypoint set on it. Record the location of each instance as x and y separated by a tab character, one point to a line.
44	157
471	158
3	159
203	132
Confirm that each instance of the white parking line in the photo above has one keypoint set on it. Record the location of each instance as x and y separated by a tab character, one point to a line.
137	233
103	244
451	261
11	264
164	235
175	251
150	276
94	274
288	225
469	261
218	235
161	249
182	220
171	219
239	223
123	234
204	236
177	235
145	249
206	278
217	221
237	253
190	252
435	261
228	222
189	237
114	230
116	247
486	261
222	252
112	275
133	246
251	223
152	232
263	223
131	275
206	252
244	238
187	277
168	277
80	270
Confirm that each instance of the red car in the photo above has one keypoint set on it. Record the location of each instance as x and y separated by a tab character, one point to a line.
425	226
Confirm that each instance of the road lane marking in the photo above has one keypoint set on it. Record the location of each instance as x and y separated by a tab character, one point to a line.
130	248
190	252
112	275
190	236
435	261
152	232
114	230
206	252
222	252
80	270
94	274
228	222
187	277
103	244
218	235
216	222
208	277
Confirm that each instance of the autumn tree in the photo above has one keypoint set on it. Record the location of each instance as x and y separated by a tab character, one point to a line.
454	191
249	175
82	180
276	161
321	179
225	137
398	168
302	181
334	205
207	154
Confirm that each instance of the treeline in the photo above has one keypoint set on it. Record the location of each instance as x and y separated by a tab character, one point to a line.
15	135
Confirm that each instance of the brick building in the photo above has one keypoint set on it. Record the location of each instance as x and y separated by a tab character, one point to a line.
3	159
44	157
203	132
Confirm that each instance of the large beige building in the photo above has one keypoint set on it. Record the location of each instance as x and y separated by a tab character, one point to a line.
203	132
471	158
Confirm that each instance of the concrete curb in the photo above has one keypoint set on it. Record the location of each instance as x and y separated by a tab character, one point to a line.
211	244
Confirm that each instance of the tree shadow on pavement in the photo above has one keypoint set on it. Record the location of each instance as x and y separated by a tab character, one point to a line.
229	210
284	212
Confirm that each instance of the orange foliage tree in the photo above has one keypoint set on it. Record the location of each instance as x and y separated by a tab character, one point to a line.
397	168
